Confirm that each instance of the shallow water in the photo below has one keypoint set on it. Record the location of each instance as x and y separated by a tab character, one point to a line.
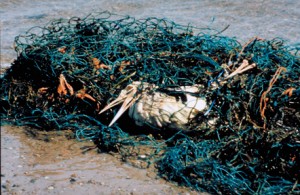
264	18
33	166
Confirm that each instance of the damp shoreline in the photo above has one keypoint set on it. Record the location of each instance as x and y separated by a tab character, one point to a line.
54	163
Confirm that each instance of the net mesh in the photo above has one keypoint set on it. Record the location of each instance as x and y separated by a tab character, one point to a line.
69	69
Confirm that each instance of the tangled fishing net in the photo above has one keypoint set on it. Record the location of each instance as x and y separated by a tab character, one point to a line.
68	70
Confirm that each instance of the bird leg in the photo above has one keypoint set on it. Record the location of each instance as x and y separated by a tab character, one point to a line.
242	68
128	97
63	86
99	65
82	95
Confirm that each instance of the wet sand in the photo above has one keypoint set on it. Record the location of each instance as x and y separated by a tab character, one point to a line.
264	18
54	163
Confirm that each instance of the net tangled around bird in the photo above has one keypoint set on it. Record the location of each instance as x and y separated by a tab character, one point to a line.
68	70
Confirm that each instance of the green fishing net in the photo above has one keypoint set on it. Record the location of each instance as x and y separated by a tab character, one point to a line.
69	69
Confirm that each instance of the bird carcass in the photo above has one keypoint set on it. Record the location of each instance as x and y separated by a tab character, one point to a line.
171	108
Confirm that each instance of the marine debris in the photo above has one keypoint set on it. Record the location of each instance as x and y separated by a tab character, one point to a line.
246	141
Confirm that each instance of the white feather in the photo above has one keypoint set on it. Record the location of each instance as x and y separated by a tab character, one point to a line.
159	109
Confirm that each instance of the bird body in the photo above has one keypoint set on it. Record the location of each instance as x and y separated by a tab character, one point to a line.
171	108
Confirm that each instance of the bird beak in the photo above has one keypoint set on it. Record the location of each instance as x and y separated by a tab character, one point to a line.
128	99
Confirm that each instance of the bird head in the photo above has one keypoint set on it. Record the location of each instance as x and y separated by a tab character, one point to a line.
128	96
